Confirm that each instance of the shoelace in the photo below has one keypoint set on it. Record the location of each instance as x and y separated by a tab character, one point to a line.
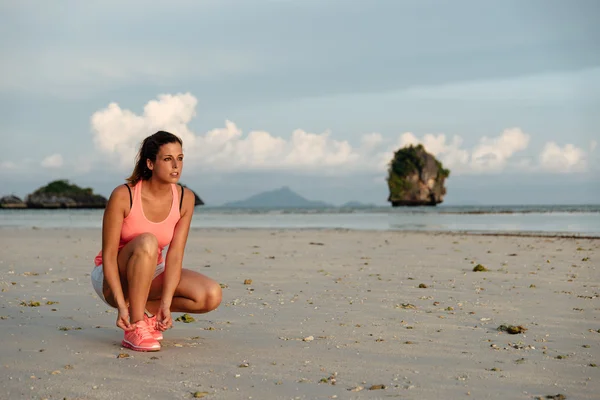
143	331
151	323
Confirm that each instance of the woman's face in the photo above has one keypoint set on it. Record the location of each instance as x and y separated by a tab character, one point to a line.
168	164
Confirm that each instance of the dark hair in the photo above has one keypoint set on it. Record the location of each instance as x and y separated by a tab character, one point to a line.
149	151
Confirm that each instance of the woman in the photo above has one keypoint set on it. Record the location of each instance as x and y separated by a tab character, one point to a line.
141	218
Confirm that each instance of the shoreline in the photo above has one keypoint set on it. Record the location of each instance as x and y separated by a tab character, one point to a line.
582	225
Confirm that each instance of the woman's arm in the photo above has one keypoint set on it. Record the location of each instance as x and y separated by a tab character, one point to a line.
174	260
114	213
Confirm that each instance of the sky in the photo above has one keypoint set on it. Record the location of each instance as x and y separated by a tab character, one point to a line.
315	95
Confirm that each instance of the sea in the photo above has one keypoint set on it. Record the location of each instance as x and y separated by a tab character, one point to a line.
551	220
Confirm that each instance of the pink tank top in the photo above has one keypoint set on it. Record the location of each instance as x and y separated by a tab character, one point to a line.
136	223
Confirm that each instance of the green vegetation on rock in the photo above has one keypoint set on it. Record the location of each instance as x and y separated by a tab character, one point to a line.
62	194
62	187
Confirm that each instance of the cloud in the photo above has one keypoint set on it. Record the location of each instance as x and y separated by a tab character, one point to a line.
562	159
451	154
371	141
117	134
53	161
496	154
492	154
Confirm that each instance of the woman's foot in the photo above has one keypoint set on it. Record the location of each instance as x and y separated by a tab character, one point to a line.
141	338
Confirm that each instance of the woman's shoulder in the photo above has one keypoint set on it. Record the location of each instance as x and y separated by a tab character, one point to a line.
121	192
189	198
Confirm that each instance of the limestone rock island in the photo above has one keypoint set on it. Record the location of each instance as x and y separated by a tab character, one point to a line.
416	178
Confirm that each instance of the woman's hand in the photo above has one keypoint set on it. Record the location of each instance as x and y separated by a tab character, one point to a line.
163	318
123	320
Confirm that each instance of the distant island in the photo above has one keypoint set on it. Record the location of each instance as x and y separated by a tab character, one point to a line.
279	198
57	194
416	178
62	194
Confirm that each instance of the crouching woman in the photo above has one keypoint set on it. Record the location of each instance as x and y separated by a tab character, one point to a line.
142	217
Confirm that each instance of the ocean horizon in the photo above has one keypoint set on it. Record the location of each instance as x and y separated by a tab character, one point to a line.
571	220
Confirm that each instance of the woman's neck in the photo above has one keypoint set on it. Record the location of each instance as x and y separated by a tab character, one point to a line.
156	188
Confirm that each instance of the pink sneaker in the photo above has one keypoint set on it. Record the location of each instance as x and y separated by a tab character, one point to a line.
140	339
151	321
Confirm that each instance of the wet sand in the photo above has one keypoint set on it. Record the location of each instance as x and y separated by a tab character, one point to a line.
328	314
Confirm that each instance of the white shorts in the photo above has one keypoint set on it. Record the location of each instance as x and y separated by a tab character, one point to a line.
98	278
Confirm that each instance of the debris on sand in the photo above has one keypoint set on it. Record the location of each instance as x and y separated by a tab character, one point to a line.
512	329
377	387
199	395
186	318
480	268
69	328
317	244
123	355
247	281
331	379
31	304
423	286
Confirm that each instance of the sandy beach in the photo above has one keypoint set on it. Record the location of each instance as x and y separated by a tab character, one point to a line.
314	314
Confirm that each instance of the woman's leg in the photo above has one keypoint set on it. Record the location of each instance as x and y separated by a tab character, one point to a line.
137	262
196	293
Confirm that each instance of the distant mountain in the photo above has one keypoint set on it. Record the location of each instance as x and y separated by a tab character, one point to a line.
279	198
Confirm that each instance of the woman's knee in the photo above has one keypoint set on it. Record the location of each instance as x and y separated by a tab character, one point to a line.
214	295
146	245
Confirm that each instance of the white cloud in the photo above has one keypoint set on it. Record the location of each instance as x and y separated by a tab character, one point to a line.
495	154
309	149
492	154
562	159
371	141
53	161
449	152
117	134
